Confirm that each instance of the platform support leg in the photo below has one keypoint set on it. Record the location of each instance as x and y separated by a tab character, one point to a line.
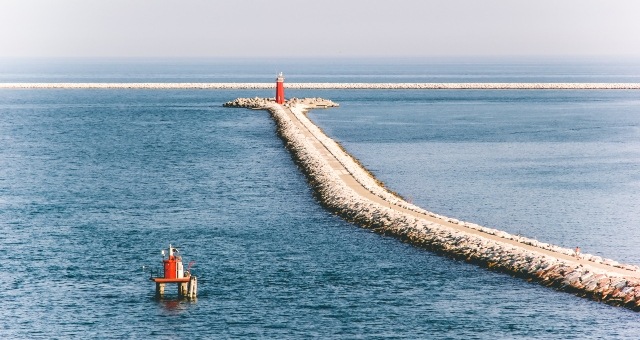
159	289
182	289
193	287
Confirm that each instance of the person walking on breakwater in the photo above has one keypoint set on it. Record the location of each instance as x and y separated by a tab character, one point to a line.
577	251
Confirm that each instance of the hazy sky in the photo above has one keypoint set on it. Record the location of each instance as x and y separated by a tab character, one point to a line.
326	28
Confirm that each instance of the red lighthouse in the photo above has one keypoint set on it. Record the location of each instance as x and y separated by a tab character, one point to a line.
280	89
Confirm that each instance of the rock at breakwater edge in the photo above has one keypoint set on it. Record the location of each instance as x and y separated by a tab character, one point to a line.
263	103
380	210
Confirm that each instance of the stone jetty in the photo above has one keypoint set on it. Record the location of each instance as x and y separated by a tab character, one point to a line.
353	86
344	187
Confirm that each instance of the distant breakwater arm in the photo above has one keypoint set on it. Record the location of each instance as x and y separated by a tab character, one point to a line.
348	190
354	86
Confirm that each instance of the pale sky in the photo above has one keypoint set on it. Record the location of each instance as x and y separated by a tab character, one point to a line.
326	28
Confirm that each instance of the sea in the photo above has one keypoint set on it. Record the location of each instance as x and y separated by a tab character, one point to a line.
94	183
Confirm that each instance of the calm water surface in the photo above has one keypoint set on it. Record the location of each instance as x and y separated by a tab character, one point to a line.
559	166
94	183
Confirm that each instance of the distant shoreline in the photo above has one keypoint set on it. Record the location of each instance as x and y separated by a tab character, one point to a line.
329	86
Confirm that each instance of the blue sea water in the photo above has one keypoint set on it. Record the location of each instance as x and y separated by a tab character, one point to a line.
559	166
322	70
93	183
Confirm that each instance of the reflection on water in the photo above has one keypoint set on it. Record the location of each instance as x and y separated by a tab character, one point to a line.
174	305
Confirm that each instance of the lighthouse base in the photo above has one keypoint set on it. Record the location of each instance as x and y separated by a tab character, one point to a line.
187	286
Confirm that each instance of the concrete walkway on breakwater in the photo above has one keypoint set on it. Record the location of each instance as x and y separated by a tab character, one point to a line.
345	188
328	86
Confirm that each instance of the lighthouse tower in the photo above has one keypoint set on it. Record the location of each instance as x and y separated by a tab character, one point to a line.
280	89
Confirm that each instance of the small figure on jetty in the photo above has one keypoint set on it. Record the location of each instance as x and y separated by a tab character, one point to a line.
577	252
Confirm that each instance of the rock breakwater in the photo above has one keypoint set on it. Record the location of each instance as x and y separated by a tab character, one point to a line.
348	190
263	103
346	86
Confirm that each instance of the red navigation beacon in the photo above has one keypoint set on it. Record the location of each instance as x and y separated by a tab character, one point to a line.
170	264
174	273
280	89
